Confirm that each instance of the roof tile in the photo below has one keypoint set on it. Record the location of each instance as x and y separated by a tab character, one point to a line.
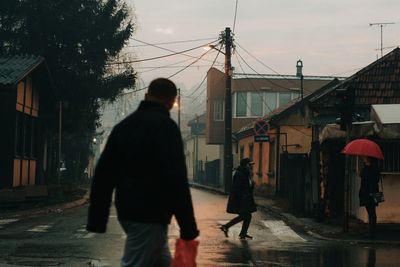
14	67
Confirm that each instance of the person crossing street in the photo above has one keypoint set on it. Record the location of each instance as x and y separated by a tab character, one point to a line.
241	199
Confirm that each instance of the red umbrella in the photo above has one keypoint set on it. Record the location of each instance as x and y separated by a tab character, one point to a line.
363	147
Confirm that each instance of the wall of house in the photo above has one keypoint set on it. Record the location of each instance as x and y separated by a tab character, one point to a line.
259	153
215	92
298	139
27	110
205	153
388	211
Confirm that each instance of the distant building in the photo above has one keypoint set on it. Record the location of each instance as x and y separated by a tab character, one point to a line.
254	97
202	160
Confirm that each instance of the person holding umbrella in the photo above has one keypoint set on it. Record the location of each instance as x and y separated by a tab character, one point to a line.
370	153
369	174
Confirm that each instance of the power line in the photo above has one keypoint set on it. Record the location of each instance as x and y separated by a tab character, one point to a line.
172	66
201	102
153	58
166	43
189	64
166	66
263	101
205	77
265	77
259	61
170	50
254	87
145	87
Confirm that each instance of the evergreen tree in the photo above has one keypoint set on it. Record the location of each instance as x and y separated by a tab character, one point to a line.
77	38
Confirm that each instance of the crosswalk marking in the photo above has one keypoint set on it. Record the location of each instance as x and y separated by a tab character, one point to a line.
82	233
40	228
277	227
282	231
3	222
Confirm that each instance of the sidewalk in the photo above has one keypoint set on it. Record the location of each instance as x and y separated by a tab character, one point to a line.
76	199
387	234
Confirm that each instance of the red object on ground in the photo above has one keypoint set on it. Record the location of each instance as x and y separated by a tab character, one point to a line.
363	147
185	253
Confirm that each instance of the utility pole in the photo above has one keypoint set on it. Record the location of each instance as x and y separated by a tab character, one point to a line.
381	24
346	106
228	161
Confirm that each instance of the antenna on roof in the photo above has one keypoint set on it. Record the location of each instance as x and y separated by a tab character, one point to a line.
381	24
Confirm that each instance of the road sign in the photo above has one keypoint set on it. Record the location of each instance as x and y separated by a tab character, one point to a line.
261	138
261	127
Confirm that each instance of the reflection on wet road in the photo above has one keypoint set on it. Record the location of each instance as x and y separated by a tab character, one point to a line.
61	240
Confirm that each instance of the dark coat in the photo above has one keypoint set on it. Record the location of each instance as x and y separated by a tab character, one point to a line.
144	162
241	199
369	183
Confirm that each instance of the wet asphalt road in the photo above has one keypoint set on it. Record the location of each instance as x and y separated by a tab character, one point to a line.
60	239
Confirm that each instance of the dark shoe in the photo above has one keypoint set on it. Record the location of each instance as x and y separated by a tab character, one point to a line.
224	229
246	236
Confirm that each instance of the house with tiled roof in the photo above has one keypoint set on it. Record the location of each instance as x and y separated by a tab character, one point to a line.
253	96
376	93
28	112
289	142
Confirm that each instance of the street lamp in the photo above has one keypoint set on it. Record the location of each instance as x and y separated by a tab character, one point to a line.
299	73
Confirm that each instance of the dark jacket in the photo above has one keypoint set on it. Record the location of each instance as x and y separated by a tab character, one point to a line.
241	199
369	183
143	161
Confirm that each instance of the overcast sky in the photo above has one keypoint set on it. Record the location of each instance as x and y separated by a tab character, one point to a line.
331	37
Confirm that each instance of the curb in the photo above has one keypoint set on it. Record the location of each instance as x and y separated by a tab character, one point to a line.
278	213
208	188
56	208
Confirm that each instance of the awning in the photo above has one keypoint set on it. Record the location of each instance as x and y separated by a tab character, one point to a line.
387	118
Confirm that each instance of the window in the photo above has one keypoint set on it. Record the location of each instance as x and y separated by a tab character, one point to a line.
241	155
218	110
241	104
270	101
259	103
27	137
18	134
295	95
284	98
256	104
391	152
34	143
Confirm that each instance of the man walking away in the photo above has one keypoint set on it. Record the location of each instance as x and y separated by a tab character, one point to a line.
143	161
